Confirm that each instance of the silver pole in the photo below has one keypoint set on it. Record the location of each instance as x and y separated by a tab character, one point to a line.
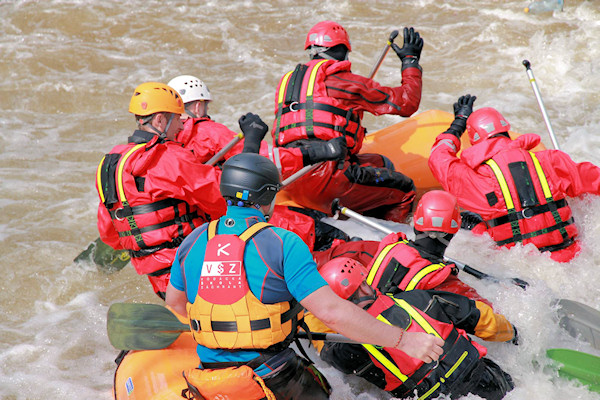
538	96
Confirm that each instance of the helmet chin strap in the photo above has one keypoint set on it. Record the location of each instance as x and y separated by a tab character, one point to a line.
189	112
163	134
441	239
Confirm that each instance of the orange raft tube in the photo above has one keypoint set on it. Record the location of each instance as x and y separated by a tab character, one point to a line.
407	144
156	374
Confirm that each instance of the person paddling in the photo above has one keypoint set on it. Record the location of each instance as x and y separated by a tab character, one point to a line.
461	369
153	192
244	285
519	196
322	100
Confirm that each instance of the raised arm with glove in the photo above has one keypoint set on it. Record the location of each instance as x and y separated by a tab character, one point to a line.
410	52
462	109
254	130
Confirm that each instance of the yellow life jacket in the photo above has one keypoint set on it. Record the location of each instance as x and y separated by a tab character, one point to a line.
226	314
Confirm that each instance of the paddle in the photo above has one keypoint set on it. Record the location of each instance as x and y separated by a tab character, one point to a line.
538	96
577	365
579	319
576	318
384	52
136	326
337	208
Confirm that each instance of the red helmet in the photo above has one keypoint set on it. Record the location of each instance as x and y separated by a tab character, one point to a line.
437	211
344	275
484	123
327	34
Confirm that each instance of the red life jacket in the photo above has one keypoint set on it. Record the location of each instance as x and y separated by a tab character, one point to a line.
303	109
400	267
403	373
145	224
533	214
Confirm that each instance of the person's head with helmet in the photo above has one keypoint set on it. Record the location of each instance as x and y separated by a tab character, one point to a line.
436	220
250	180
485	123
482	124
346	277
328	40
157	108
194	93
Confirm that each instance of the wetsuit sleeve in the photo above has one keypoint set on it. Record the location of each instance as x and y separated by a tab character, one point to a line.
573	178
300	270
364	94
108	233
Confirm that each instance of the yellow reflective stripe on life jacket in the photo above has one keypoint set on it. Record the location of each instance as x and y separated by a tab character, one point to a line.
311	81
417	317
99	180
379	260
422	274
389	365
510	206
121	167
541	177
284	82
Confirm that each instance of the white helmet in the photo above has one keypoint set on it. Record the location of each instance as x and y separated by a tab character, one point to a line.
190	88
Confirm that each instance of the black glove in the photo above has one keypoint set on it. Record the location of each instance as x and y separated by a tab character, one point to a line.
410	52
254	130
462	109
334	149
470	220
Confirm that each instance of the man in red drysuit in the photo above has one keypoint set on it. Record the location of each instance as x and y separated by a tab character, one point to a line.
520	196
322	100
153	192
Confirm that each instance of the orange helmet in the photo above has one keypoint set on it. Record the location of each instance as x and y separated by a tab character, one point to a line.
344	275
437	211
152	97
484	123
327	34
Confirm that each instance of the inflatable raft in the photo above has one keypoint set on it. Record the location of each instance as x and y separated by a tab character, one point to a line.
156	374
407	144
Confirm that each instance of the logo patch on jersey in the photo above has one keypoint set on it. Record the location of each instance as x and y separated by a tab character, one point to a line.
220	268
223	280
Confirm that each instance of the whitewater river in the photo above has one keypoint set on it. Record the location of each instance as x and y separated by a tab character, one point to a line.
69	68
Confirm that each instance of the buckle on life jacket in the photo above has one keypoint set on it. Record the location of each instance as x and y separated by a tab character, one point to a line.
291	106
527	213
119	216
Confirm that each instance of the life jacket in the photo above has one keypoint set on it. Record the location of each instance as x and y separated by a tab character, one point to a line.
399	267
226	314
404	374
305	111
145	224
533	214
